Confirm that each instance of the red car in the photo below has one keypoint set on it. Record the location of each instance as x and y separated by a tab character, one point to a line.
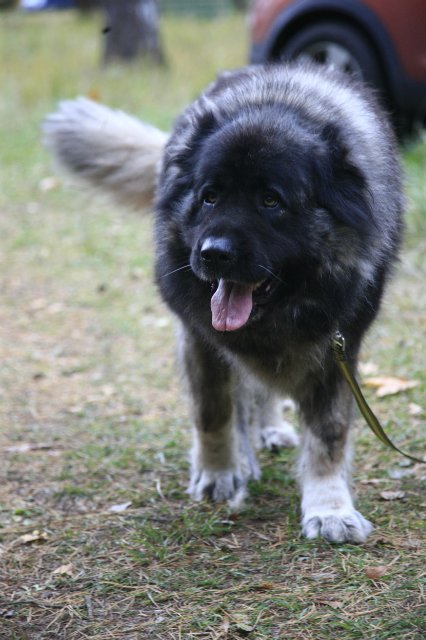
381	41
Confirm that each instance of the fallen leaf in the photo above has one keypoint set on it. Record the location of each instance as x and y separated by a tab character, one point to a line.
24	447
368	368
48	183
118	508
334	604
375	573
94	94
154	321
35	536
242	623
55	308
324	575
76	409
108	390
415	409
38	304
392	495
388	386
265	586
64	570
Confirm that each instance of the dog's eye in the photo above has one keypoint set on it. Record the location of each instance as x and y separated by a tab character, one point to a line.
270	201
210	197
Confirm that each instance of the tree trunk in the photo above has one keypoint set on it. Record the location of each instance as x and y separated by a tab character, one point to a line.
240	5
85	6
131	30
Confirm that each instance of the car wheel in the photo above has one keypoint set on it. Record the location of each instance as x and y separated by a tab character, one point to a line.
337	45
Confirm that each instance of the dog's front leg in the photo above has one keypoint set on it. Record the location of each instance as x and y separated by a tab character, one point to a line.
324	470
216	469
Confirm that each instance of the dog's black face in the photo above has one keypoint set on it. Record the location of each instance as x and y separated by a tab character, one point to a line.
245	230
270	217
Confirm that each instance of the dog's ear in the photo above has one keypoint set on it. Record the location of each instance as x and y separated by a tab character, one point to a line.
342	187
182	167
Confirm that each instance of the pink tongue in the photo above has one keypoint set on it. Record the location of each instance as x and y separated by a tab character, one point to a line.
231	305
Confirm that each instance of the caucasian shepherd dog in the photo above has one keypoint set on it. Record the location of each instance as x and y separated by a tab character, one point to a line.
277	203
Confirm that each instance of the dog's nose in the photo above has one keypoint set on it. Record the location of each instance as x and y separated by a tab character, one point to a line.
217	252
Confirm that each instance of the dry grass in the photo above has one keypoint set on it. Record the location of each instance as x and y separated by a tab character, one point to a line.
91	414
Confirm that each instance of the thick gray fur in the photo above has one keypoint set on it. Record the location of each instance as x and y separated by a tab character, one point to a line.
235	387
106	150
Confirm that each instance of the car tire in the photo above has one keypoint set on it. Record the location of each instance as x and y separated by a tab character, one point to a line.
336	44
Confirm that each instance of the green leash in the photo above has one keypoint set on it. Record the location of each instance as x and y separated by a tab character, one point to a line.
338	346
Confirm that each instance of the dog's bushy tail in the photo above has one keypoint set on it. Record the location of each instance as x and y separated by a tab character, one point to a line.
106	149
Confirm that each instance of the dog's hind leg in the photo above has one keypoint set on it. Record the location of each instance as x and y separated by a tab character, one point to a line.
275	432
324	468
268	427
217	471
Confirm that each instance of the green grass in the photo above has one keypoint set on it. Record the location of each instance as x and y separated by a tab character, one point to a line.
87	371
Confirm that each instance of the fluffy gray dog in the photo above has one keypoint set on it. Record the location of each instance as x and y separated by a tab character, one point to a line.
277	221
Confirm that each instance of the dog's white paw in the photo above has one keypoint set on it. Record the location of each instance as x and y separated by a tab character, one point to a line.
340	525
218	486
279	436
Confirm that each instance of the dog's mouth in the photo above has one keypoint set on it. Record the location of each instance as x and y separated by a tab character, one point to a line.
232	302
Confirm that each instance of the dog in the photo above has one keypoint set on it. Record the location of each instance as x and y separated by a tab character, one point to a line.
278	219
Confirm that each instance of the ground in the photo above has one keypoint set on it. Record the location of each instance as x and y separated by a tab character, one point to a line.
98	538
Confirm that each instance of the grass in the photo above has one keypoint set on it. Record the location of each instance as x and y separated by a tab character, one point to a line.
92	416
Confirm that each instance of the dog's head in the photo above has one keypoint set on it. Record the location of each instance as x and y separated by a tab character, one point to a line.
265	207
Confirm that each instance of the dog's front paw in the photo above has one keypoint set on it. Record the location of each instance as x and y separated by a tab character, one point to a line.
279	436
218	486
337	526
